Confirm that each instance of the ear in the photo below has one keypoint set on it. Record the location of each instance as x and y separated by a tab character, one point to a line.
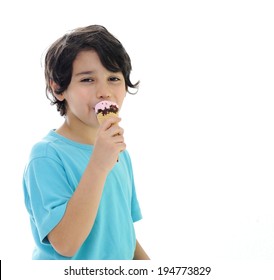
54	88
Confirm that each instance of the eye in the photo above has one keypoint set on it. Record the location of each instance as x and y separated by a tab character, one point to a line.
87	80
114	79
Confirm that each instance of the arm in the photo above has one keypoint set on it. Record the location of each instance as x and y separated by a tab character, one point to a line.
140	253
77	222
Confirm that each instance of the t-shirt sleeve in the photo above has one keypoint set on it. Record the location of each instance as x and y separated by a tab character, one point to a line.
48	193
135	208
136	213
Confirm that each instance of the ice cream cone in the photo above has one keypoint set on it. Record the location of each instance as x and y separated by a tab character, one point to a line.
106	109
101	118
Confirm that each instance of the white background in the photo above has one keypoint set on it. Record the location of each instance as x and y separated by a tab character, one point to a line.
199	131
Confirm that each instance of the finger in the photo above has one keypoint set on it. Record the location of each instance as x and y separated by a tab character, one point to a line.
122	147
115	130
118	139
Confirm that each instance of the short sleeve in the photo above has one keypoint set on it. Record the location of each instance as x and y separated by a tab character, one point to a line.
48	193
135	208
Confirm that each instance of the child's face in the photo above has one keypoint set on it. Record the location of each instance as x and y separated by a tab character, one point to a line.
90	83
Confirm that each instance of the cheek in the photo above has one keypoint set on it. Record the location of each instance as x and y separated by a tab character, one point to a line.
120	99
75	101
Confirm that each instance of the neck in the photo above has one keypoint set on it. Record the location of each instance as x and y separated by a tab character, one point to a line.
80	133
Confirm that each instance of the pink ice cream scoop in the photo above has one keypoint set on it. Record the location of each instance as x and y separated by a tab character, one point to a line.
106	109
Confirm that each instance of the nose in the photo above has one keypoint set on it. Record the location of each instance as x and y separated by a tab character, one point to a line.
103	92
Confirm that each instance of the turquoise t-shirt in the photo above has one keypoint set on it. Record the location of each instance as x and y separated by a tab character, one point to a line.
52	174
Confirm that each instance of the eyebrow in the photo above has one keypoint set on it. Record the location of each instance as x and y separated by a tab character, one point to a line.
84	73
89	72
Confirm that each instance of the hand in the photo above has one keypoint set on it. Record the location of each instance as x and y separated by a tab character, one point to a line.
109	142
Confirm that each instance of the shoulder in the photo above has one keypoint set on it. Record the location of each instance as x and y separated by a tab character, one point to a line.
43	158
125	160
44	148
126	156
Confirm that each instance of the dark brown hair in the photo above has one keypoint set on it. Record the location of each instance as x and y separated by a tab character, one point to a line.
61	54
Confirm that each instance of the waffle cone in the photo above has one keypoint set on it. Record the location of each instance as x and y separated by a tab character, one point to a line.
101	118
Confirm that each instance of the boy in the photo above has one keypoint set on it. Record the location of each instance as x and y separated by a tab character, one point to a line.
81	200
